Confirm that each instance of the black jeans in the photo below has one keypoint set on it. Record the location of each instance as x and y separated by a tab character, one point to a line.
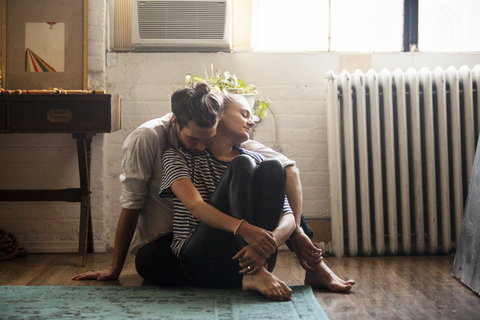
246	191
157	264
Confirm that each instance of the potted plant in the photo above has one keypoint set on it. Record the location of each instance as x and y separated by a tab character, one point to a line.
231	84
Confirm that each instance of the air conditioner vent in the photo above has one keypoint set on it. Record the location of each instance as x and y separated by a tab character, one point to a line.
177	20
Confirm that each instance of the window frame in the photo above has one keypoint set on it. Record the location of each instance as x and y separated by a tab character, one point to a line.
410	26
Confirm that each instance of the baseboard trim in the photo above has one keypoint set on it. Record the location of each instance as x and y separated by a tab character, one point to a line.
322	234
58	246
322	230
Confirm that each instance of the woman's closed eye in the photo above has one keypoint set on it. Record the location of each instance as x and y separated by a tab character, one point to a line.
247	115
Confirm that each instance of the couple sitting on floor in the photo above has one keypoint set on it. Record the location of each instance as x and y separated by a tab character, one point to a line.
231	207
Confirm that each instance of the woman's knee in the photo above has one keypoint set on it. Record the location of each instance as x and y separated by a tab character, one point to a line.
269	194
273	169
270	177
243	163
233	193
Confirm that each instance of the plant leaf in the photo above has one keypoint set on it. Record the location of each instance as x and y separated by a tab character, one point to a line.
230	81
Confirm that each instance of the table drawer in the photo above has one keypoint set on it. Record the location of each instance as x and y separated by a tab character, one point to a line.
68	116
3	116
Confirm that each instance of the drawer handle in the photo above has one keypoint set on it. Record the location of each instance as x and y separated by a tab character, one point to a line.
59	115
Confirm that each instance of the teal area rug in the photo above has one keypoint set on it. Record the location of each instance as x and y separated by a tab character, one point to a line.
116	302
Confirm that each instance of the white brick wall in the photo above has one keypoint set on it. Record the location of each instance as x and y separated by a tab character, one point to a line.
294	82
49	161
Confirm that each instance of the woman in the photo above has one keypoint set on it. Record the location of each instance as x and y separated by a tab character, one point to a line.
246	217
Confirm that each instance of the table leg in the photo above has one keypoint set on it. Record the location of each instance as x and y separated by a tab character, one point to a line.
84	151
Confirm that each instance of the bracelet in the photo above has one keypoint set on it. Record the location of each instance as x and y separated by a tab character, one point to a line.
297	231
239	224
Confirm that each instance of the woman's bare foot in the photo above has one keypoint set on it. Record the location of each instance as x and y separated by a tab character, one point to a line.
324	277
268	285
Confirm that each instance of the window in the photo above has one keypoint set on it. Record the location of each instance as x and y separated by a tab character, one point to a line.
323	25
339	25
367	25
285	25
445	25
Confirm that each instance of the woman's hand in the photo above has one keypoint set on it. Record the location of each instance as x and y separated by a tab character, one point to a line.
260	239
250	260
308	255
101	275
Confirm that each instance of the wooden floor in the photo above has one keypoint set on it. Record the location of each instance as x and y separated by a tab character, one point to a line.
387	287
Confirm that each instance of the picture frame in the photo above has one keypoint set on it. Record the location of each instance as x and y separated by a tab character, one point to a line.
19	18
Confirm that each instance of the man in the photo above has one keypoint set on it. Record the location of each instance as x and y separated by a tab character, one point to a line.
147	219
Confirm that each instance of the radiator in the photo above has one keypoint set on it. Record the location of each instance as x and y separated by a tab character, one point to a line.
401	147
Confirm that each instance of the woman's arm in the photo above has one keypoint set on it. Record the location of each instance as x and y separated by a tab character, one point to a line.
249	257
262	240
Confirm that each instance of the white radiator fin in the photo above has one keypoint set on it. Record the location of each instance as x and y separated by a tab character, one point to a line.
401	150
181	19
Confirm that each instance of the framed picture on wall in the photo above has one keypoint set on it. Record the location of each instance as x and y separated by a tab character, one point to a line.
44	44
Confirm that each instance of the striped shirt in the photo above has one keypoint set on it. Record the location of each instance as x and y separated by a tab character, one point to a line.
205	172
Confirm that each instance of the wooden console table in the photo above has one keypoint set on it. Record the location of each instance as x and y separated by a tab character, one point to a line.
83	115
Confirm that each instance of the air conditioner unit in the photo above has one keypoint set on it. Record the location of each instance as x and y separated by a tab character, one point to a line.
181	25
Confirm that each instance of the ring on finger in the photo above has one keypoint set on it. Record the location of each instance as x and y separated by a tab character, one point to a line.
249	268
304	262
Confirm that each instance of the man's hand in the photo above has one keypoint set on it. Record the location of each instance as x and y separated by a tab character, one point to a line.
306	252
102	275
250	260
260	239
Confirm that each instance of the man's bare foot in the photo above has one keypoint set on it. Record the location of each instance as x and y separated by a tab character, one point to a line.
268	285
324	277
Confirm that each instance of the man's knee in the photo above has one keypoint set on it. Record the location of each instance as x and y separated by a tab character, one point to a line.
156	263
154	255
